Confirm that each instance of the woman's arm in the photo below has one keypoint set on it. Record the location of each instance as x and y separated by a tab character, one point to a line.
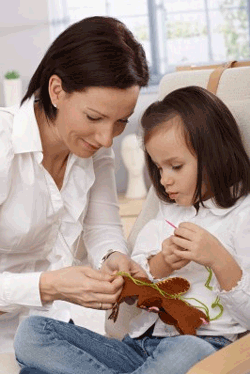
102	224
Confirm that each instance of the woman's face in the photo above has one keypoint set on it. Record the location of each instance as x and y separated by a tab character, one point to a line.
89	120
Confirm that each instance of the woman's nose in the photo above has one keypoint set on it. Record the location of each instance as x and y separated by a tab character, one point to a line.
105	138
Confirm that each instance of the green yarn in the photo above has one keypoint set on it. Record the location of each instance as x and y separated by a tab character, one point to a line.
207	284
214	305
178	296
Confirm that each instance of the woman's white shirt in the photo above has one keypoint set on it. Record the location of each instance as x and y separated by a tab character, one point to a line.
232	227
42	228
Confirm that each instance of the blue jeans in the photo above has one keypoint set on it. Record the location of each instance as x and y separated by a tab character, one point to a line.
44	345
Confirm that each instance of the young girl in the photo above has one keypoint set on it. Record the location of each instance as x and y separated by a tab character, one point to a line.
201	173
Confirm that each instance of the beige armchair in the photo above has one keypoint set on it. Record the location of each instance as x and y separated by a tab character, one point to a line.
234	90
233	87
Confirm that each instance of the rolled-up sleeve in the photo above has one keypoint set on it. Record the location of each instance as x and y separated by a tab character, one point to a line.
102	224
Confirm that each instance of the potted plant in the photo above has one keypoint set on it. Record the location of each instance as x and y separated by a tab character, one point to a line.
12	88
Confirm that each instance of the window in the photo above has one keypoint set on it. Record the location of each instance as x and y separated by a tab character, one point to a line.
178	32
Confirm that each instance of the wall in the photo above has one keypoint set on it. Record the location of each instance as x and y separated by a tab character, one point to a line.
24	37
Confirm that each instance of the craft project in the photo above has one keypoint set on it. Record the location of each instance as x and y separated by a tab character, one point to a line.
164	298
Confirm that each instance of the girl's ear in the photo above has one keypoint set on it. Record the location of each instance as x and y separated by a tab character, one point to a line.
56	91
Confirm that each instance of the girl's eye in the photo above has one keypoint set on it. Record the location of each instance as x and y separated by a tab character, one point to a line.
177	167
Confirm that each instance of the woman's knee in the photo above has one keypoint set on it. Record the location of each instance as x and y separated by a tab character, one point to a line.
30	335
176	355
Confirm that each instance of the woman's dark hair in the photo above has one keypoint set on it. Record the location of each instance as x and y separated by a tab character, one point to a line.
97	51
212	134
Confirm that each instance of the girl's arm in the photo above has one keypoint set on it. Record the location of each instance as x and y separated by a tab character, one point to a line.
148	249
232	282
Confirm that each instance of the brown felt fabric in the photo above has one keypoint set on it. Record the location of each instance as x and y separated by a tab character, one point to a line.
172	311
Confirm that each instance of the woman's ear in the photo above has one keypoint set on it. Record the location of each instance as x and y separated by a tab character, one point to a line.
56	91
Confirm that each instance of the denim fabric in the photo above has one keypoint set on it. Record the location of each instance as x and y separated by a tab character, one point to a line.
48	346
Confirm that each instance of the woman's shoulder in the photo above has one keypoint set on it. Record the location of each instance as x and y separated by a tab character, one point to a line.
6	120
6	128
6	150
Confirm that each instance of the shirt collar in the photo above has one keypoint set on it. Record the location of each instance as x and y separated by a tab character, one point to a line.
218	211
26	136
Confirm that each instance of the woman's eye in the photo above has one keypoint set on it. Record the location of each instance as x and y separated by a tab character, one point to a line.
92	118
124	121
176	167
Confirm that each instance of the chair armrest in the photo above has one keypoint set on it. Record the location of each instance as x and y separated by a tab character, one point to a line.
235	358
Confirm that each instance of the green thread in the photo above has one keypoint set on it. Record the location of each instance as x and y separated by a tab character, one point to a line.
214	305
204	306
207	284
179	297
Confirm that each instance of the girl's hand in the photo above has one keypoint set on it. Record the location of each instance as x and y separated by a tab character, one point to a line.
120	262
197	244
171	255
81	285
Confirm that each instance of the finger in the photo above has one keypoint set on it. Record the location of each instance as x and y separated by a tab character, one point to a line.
182	243
95	286
189	225
185	233
95	274
180	264
137	271
185	255
118	282
100	306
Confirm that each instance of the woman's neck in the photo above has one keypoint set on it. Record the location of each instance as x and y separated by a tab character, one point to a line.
54	148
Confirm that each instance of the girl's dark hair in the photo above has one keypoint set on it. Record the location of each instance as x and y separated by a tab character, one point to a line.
97	51
212	134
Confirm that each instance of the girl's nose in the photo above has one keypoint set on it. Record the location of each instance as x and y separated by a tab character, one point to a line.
166	180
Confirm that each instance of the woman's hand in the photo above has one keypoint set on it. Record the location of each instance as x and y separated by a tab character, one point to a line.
81	285
197	244
118	261
171	255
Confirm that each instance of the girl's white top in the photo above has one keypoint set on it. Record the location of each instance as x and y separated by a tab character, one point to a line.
232	227
42	228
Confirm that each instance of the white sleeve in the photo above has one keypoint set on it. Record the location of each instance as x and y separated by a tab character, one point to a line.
16	290
102	224
6	156
237	300
148	243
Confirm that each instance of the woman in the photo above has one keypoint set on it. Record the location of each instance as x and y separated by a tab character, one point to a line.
57	187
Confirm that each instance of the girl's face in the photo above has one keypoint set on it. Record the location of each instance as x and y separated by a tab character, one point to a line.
177	165
89	120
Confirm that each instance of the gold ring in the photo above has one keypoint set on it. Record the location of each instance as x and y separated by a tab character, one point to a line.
100	306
